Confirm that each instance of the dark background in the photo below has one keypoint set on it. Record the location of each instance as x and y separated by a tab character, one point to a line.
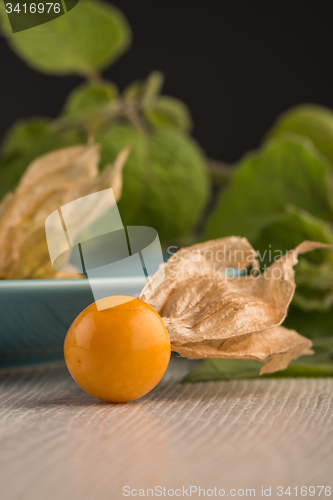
236	63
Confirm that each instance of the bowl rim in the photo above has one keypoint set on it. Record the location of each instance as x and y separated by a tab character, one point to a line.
71	283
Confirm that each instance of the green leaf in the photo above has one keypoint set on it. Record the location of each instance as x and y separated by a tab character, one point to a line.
165	181
89	99
319	365
168	112
20	17
153	85
314	273
134	90
314	286
145	90
284	232
309	120
312	324
83	41
11	169
90	106
24	142
287	171
22	136
223	369
323	348
302	371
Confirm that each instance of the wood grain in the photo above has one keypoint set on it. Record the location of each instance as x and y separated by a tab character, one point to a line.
58	443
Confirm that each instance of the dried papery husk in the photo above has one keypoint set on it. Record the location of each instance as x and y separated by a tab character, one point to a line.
275	346
49	182
4	205
199	263
209	315
40	191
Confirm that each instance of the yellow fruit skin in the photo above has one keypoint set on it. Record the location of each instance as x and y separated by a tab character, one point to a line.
117	354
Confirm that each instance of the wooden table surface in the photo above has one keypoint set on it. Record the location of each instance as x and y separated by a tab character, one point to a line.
58	443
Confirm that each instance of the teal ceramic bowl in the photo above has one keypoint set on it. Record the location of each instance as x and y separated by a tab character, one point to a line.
36	314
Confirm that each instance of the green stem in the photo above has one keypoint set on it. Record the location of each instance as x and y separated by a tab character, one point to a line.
220	172
94	78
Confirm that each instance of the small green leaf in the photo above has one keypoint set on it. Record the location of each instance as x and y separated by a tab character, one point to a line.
90	106
168	112
24	142
145	90
89	99
153	85
287	171
134	90
165	181
83	41
309	120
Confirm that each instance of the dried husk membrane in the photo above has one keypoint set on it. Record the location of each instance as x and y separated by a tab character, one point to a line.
274	346
210	315
48	183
